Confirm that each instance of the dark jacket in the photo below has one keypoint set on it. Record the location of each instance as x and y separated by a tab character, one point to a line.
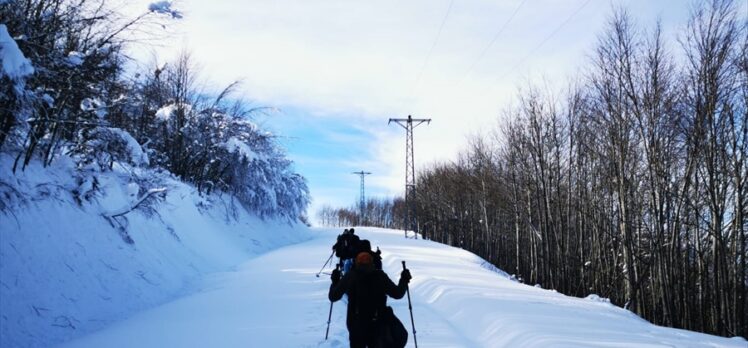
346	246
367	290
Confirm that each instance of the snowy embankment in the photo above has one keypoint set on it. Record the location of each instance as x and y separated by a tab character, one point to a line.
79	251
275	300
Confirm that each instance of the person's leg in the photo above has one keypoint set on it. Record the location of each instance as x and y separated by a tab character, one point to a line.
357	342
357	339
372	335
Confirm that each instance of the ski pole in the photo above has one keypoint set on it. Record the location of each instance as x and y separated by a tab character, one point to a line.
410	307
326	262
329	316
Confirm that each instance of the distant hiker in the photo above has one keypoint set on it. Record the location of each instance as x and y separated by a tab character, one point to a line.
338	246
365	246
346	247
370	322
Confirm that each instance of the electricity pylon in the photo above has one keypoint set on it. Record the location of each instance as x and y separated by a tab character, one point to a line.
362	203
410	176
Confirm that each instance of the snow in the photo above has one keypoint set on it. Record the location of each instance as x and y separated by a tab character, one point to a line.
75	58
48	99
165	113
164	7
275	300
132	190
14	64
137	155
234	145
65	270
134	203
94	105
597	298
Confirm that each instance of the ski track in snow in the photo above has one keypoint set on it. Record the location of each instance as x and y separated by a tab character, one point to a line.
275	300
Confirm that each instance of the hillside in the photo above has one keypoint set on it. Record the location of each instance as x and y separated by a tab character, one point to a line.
71	264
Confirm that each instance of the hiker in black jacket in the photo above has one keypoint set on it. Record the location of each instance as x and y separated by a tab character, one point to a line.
367	290
338	246
365	246
346	248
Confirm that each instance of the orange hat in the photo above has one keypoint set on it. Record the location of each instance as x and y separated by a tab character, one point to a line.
363	258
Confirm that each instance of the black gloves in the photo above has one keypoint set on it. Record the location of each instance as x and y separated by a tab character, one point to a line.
335	276
405	276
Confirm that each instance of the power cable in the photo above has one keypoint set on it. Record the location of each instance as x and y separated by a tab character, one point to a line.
431	50
553	33
493	40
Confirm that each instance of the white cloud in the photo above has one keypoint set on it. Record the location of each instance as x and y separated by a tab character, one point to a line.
360	60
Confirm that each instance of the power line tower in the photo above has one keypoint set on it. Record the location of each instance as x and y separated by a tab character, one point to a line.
362	203
410	173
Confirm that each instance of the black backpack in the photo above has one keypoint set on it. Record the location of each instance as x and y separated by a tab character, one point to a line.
339	252
370	304
392	332
352	246
346	246
369	296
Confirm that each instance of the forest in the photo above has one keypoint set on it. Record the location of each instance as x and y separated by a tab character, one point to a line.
630	184
72	90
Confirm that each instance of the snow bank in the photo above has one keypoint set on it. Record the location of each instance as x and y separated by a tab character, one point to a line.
14	63
65	268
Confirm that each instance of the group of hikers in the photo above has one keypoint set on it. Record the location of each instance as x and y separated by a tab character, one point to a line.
359	276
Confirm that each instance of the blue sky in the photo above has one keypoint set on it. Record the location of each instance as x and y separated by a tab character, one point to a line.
327	150
338	69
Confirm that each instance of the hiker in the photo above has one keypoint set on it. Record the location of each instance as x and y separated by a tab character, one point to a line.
345	248
370	322
365	246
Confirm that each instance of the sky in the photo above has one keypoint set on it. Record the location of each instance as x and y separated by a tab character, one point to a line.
337	70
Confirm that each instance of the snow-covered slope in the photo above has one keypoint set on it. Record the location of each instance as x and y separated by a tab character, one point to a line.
276	301
66	269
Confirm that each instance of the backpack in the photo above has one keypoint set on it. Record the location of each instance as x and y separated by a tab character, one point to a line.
370	297
392	332
370	305
339	246
347	246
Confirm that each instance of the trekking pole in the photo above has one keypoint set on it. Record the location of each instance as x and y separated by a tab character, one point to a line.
329	316
326	262
410	307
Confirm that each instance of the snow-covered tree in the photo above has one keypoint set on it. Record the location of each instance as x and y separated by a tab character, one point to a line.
64	92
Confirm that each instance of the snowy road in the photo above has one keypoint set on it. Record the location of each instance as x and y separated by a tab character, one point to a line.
275	300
